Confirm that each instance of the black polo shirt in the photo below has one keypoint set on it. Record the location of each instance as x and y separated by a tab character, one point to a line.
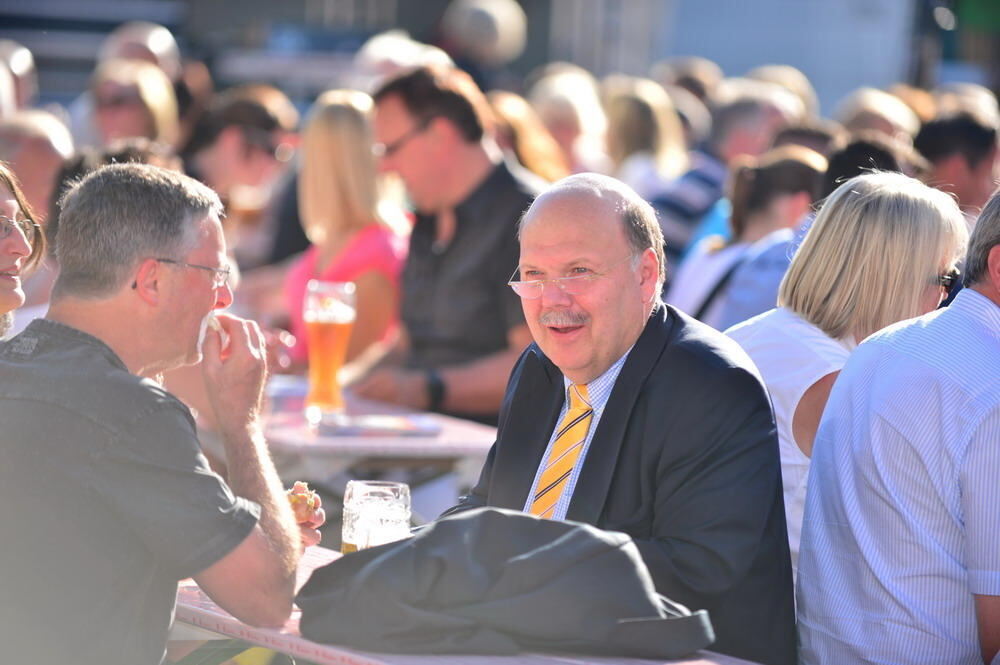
106	501
456	304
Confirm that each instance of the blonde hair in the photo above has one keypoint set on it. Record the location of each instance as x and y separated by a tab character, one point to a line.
338	190
875	247
531	141
641	118
155	91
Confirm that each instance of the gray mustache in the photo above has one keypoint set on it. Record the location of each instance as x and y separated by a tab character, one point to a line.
561	319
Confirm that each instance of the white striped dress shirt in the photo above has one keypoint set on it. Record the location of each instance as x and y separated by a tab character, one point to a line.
598	391
902	517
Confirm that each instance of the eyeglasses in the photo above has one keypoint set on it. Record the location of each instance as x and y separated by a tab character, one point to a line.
119	98
257	137
949	279
30	229
383	150
575	285
220	276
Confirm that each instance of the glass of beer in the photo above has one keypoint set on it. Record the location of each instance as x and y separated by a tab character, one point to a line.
375	512
329	316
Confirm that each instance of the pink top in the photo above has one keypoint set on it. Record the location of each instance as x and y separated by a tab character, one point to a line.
374	247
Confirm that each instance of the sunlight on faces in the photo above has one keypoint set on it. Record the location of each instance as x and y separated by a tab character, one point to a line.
121	113
194	300
13	251
578	231
392	124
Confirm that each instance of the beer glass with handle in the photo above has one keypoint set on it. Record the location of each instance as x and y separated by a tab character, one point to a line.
329	316
375	512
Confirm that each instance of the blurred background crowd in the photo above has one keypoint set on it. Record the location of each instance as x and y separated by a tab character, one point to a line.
725	115
395	144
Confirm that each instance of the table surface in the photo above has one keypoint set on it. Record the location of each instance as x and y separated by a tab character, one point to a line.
195	608
396	432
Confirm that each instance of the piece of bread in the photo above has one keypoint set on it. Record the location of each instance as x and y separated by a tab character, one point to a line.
304	502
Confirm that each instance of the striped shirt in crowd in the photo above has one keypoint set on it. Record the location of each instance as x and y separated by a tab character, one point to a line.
902	514
685	202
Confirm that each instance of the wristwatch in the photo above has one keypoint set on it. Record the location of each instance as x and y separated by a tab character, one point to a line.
435	389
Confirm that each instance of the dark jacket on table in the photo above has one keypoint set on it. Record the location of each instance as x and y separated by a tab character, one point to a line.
684	460
493	581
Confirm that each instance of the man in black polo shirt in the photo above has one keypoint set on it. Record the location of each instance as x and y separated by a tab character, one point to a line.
462	327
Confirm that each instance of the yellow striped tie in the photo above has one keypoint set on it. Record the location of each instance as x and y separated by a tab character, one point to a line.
565	452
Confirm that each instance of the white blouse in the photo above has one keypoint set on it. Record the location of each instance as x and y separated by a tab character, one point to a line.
791	354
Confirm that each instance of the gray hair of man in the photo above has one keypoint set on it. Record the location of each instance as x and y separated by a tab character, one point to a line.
120	215
985	236
642	230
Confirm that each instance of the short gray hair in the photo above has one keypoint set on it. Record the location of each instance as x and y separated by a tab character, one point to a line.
985	236
120	215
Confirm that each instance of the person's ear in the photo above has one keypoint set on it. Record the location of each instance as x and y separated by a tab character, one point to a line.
146	281
799	205
993	268
649	272
444	133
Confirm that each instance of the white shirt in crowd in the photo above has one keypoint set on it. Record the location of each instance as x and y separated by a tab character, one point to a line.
791	354
698	276
903	511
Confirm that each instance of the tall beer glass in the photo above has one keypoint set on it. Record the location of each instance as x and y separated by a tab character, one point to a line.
329	316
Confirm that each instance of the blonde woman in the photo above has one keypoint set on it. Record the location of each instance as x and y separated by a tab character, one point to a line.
354	238
645	138
134	99
882	249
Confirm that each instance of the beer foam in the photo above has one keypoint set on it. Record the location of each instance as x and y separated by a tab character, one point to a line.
329	310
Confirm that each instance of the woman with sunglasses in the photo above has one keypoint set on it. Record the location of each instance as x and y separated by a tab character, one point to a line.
883	248
21	245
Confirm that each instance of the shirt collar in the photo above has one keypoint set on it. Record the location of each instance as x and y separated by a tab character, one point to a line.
975	305
39	329
599	389
480	200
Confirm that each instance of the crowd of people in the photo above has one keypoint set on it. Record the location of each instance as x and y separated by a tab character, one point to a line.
763	344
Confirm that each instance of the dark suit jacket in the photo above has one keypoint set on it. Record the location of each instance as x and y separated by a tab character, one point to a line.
684	460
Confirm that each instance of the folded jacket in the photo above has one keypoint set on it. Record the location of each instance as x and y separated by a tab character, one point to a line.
493	581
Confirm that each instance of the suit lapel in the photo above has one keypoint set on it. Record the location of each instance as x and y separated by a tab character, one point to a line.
598	469
538	397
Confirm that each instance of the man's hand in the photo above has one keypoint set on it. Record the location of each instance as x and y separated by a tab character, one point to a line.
310	530
235	375
395	385
307	506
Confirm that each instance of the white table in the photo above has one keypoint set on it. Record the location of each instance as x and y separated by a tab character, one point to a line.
196	609
303	452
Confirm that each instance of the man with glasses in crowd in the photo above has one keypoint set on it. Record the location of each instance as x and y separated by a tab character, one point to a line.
106	500
628	415
462	328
